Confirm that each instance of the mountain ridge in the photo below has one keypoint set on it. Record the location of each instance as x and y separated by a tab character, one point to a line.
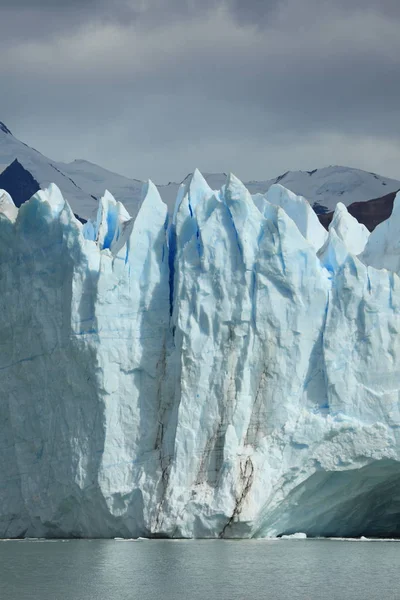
83	183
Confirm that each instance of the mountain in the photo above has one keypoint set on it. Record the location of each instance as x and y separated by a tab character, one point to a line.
44	171
83	183
18	182
370	213
235	374
326	187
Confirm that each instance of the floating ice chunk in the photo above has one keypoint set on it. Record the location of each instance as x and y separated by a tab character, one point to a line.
294	536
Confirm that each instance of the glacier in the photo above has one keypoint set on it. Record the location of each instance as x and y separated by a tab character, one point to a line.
230	371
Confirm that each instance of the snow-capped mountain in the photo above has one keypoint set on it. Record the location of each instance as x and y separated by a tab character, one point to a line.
83	183
44	171
330	185
234	373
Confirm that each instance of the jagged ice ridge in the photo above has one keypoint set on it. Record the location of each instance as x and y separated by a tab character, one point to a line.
230	372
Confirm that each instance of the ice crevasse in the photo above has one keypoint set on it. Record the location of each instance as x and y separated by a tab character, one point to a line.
230	371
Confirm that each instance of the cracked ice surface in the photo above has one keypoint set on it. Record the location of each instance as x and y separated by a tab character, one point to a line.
233	372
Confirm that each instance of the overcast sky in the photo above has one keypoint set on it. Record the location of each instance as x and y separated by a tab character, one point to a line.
155	88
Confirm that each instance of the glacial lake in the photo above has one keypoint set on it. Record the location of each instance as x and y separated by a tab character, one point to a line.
199	570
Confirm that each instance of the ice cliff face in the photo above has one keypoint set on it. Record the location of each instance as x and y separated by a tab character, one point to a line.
232	373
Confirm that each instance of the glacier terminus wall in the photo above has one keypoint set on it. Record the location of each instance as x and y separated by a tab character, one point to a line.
231	370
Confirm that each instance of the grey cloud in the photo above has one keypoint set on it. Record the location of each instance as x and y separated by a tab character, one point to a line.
389	7
244	10
38	18
255	102
261	13
47	18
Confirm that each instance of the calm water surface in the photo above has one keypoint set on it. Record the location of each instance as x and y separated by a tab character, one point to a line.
199	570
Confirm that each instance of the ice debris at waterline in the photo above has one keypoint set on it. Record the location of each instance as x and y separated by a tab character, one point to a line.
231	372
